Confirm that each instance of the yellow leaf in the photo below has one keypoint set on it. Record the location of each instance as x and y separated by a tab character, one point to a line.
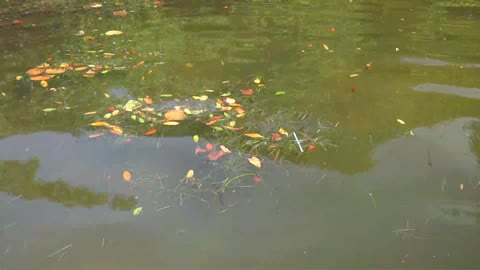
44	84
89	113
253	135
108	115
196	138
401	121
257	80
106	95
255	161
55	71
99	124
189	175
196	97
170	123
127	176
203	97
115	112
325	46
232	123
113	33
229	100
283	131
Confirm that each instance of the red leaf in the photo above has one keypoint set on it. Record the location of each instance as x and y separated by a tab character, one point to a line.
247	91
209	147
150	132
353	89
216	155
198	149
111	108
276	137
310	147
256	179
17	22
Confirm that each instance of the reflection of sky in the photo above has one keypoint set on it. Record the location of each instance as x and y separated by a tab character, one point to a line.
296	213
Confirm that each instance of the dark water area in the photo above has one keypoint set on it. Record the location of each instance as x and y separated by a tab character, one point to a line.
392	87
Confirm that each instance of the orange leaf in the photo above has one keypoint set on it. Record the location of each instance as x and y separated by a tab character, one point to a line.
99	124
310	147
225	149
255	161
240	110
55	71
253	135
175	115
233	128
247	91
116	130
283	131
150	132
139	64
148	100
127	176
35	71
40	78
120	13
256	179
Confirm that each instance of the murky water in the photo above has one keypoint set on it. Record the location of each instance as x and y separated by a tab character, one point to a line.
387	195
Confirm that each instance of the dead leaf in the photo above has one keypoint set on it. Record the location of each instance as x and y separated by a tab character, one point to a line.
35	71
147	100
40	78
150	132
225	149
401	121
120	13
276	137
91	136
55	71
127	176
209	147
113	33
175	115
283	131
255	161
253	135
100	124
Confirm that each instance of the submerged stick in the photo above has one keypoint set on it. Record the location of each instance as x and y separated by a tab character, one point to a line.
297	141
60	250
373	200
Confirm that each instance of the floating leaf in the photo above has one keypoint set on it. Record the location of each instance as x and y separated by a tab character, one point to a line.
354	75
117	131
325	46
209	147
310	147
171	123
35	71
115	112
150	132
276	137
148	100
44	84
256	179
203	97
253	135
120	13
175	115
198	149
127	176
41	78
411	133
257	80
280	93
113	33
247	91
132	105
255	161
106	95
195	138
166	95
189	174
55	71
99	124
225	149
229	100
401	121
216	155
91	136
137	211
283	131
108	115
49	109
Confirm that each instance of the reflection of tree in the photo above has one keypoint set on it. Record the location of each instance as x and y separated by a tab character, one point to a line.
18	179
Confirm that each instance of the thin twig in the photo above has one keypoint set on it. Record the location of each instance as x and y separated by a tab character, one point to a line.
60	250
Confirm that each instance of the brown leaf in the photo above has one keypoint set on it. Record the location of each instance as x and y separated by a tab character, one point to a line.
175	115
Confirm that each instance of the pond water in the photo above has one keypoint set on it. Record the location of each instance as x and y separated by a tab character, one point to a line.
396	84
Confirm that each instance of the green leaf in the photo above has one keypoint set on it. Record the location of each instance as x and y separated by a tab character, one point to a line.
226	94
133	116
196	138
137	211
141	120
280	93
166	95
49	109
